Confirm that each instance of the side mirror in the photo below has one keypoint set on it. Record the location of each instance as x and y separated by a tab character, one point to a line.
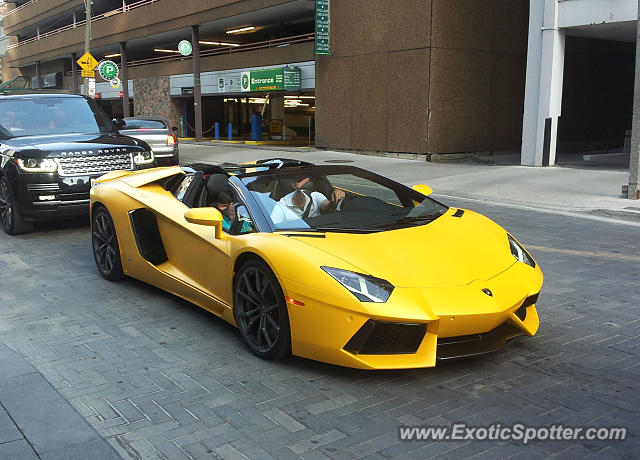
118	123
424	189
174	129
205	216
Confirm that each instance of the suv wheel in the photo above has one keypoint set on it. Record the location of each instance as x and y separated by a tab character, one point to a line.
10	215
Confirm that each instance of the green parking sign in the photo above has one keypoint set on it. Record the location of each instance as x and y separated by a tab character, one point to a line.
108	70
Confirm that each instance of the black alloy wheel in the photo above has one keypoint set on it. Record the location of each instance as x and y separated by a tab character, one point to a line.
260	311
105	245
10	215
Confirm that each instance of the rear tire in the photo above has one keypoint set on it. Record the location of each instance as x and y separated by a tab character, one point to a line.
105	245
260	311
12	221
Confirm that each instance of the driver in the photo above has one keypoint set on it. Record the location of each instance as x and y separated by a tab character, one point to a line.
309	204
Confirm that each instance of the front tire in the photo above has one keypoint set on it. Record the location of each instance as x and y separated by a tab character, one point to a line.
260	311
105	245
10	214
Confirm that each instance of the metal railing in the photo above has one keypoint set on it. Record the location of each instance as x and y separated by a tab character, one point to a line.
278	42
108	14
24	5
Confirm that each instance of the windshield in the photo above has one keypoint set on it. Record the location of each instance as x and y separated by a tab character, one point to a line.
350	200
37	115
144	124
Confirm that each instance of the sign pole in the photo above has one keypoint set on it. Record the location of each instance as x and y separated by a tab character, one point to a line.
633	189
197	98
87	39
125	79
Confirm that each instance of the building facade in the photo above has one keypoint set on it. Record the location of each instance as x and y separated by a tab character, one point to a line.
580	78
416	77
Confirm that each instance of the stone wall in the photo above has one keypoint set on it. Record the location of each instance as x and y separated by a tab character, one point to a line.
153	99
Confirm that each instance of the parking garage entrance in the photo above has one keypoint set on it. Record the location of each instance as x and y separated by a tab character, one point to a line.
286	116
597	99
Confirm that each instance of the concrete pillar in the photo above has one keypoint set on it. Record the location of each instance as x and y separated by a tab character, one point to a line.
276	101
543	91
125	79
633	189
197	97
75	85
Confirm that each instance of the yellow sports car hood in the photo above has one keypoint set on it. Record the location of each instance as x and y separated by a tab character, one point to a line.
449	251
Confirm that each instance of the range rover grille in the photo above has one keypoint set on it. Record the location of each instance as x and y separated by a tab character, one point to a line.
90	164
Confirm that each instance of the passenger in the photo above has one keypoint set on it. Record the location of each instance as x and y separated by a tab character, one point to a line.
309	204
225	206
222	197
9	121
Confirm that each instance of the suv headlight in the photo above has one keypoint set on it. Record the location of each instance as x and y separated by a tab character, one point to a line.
46	165
143	158
519	252
366	288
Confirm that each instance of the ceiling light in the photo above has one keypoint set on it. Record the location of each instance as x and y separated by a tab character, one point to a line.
161	50
240	30
112	55
218	43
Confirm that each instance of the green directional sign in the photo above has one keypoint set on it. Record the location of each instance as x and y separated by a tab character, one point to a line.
323	45
262	80
185	47
292	78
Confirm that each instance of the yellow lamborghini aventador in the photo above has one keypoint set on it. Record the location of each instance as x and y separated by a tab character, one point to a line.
332	263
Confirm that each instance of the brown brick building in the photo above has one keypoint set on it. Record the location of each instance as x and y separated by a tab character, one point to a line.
402	76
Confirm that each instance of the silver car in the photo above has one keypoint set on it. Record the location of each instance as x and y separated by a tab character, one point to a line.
156	133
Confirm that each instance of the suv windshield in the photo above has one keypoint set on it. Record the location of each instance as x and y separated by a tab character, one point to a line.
341	200
42	115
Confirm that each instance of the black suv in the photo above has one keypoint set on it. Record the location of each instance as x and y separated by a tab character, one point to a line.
51	146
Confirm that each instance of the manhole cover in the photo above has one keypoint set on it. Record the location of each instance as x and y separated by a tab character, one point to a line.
338	161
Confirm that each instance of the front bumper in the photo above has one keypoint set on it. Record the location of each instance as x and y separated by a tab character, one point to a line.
42	196
452	322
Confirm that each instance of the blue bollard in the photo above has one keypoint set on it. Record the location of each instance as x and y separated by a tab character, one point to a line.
216	130
256	127
230	128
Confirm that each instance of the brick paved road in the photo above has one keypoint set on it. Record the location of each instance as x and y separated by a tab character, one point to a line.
160	378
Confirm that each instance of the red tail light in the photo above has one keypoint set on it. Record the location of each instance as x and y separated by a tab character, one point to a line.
171	139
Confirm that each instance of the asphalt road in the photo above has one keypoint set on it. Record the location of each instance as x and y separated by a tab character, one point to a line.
159	378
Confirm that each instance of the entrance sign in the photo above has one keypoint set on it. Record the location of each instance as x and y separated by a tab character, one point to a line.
262	80
108	70
185	47
323	45
87	62
292	80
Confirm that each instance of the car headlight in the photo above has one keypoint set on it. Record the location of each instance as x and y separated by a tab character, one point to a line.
520	253
143	158
46	165
366	288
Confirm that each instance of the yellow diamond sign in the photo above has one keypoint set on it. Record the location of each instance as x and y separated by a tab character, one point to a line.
87	62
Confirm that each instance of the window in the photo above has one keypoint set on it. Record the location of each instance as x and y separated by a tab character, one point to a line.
144	124
38	115
182	187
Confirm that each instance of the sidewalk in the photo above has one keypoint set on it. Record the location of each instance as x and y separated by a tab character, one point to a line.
585	189
37	422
